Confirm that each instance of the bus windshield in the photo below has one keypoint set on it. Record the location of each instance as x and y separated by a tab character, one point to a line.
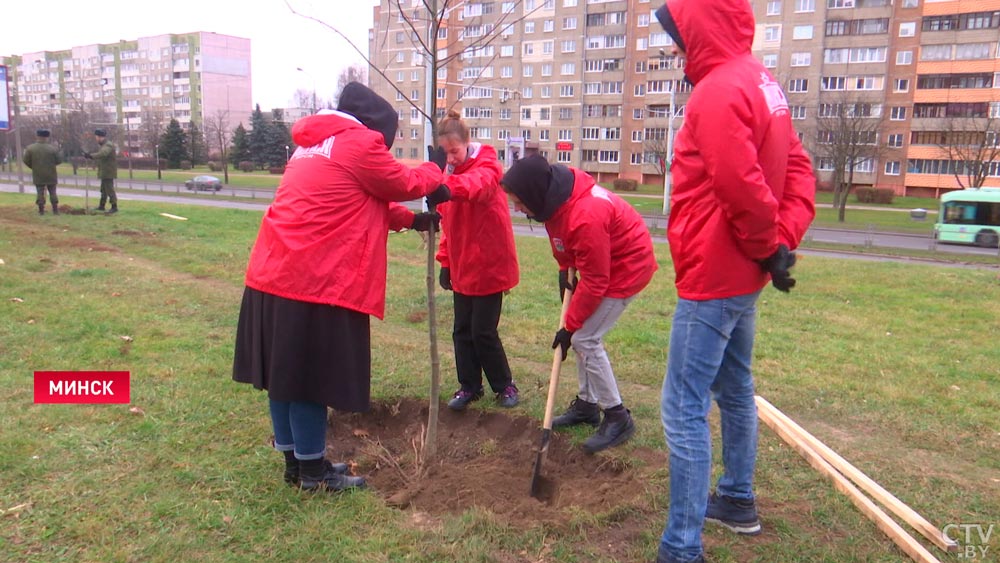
970	216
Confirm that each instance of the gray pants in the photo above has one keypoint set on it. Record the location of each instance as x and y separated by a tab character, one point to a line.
593	368
108	192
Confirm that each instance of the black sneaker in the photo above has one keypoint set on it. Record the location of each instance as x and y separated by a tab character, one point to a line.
579	412
462	398
508	398
738	515
292	470
616	428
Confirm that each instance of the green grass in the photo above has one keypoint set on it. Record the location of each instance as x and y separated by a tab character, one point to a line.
893	365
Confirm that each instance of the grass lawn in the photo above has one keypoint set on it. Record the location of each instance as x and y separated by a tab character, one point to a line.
892	365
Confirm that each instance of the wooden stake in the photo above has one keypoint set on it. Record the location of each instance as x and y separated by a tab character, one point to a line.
889	526
896	506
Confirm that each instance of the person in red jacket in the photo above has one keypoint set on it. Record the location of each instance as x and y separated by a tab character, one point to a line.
605	240
318	271
478	263
742	199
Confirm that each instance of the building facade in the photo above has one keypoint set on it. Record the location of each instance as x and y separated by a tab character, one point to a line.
592	83
133	86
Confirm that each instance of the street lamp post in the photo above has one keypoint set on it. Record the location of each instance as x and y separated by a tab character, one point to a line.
300	69
158	176
669	157
286	153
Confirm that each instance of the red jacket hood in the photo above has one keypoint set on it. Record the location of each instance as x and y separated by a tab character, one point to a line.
713	31
314	129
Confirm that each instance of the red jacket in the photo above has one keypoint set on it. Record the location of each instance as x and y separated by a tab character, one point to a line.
323	239
477	238
742	182
606	240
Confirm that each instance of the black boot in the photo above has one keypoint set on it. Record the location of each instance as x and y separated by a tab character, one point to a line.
55	208
579	412
41	209
316	475
101	206
114	208
615	429
292	468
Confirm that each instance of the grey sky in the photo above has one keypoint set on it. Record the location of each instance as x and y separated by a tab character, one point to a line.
280	41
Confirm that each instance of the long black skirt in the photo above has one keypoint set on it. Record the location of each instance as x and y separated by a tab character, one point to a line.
301	351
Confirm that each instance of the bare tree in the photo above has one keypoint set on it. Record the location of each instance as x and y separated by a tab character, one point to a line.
218	136
846	136
153	125
971	146
353	73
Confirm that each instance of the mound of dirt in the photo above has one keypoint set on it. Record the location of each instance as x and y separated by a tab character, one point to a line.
484	459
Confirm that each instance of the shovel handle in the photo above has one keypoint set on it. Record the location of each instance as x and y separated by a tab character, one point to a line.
550	402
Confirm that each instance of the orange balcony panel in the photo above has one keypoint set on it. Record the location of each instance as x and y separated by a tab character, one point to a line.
956	95
958	67
958	7
930	152
940	181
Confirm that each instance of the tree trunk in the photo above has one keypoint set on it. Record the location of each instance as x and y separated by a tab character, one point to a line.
842	211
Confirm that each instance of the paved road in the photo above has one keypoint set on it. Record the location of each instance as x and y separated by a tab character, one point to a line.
174	194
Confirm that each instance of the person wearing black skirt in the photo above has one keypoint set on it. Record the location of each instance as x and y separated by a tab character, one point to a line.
317	272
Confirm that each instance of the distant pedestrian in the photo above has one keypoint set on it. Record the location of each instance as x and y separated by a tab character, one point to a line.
605	239
42	158
107	169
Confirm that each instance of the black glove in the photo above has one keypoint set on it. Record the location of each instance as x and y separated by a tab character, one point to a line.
87	156
563	338
566	283
778	265
440	195
423	221
437	156
445	278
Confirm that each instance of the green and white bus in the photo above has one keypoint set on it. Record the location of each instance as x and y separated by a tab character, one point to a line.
970	217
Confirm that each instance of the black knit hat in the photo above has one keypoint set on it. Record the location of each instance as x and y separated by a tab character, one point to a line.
670	26
541	187
370	109
100	132
43	133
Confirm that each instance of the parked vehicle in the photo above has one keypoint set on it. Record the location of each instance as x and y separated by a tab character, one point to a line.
204	183
970	216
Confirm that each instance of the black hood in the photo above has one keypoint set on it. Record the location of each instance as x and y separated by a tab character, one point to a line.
541	187
670	26
370	109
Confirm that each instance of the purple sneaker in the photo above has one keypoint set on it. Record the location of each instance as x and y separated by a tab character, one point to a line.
463	397
508	397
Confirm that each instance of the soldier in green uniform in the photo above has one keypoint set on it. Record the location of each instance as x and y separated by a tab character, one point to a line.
107	169
42	158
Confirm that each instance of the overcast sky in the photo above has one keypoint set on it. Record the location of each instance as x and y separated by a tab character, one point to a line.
279	40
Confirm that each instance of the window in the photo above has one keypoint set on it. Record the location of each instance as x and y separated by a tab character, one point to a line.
774	7
802	32
506	50
637	136
897	114
798	85
769	60
591	133
399	76
569	23
566	91
798	112
528	49
568	46
642	20
565	135
801	59
564	156
805	6
901	85
639	90
910	3
506	71
895	140
830	83
567	68
904	57
548	25
547	69
772	33
892	168
908	29
529	27
527	71
610	157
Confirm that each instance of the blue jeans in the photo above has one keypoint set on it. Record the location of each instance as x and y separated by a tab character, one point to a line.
711	346
299	426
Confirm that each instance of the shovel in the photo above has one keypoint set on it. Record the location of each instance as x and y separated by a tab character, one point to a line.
542	488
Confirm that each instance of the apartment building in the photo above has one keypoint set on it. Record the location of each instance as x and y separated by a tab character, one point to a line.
132	85
592	83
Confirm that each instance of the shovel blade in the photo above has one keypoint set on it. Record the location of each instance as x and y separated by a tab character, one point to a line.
542	488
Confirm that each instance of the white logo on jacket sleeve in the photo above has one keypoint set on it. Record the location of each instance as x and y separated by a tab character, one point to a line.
775	98
598	191
323	149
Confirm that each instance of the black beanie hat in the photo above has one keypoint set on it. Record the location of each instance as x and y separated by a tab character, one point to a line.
370	109
42	133
541	187
100	132
670	26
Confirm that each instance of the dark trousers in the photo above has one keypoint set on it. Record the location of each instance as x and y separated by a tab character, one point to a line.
40	190
108	192
477	343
